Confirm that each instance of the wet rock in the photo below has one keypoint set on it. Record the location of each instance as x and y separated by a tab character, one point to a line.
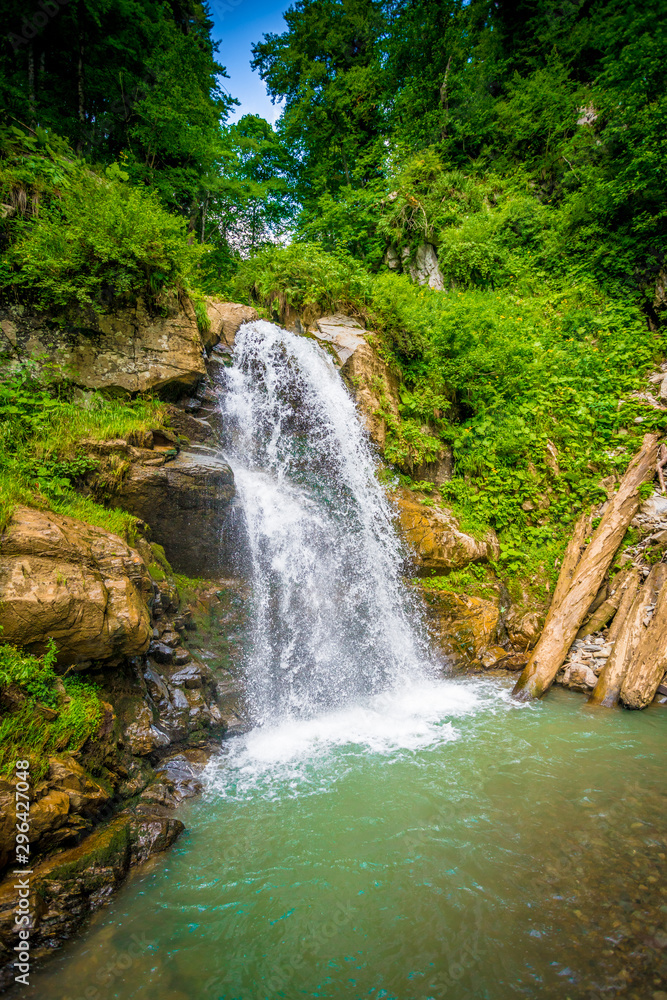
515	661
182	772
141	737
152	833
186	503
85	794
81	585
161	652
226	318
492	656
48	814
170	638
64	891
191	675
464	627
193	428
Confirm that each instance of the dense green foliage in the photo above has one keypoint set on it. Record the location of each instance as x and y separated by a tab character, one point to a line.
73	237
130	80
529	383
48	714
567	98
523	142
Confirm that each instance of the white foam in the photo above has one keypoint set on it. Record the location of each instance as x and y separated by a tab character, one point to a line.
297	756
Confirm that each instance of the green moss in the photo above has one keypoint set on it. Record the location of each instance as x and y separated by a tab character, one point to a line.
28	682
474	580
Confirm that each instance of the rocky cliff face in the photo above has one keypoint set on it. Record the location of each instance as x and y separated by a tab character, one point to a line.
132	350
167	678
75	583
112	805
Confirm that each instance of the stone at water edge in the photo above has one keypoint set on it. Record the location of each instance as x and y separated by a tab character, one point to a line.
462	626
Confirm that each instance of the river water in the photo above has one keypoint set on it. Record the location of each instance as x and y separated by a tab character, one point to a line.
382	831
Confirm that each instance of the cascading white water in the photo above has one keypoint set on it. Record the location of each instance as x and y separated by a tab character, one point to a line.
332	621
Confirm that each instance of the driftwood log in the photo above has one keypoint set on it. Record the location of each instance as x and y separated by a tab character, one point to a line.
571	559
625	633
565	620
649	661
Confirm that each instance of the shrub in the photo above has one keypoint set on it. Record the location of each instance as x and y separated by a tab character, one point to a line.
303	276
89	239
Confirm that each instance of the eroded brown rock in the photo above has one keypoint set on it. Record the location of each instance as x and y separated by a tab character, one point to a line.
434	537
130	350
81	585
464	627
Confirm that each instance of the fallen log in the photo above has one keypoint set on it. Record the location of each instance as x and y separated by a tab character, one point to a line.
563	623
649	661
570	562
624	633
605	611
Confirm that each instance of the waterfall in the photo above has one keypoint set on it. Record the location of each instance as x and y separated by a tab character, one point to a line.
332	619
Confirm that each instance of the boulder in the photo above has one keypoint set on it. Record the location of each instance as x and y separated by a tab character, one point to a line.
189	426
579	677
187	505
130	350
84	793
463	627
225	319
76	583
524	629
343	333
435	539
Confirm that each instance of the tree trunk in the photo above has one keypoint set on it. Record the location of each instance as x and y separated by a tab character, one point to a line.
624	634
571	560
562	626
649	662
602	612
32	103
